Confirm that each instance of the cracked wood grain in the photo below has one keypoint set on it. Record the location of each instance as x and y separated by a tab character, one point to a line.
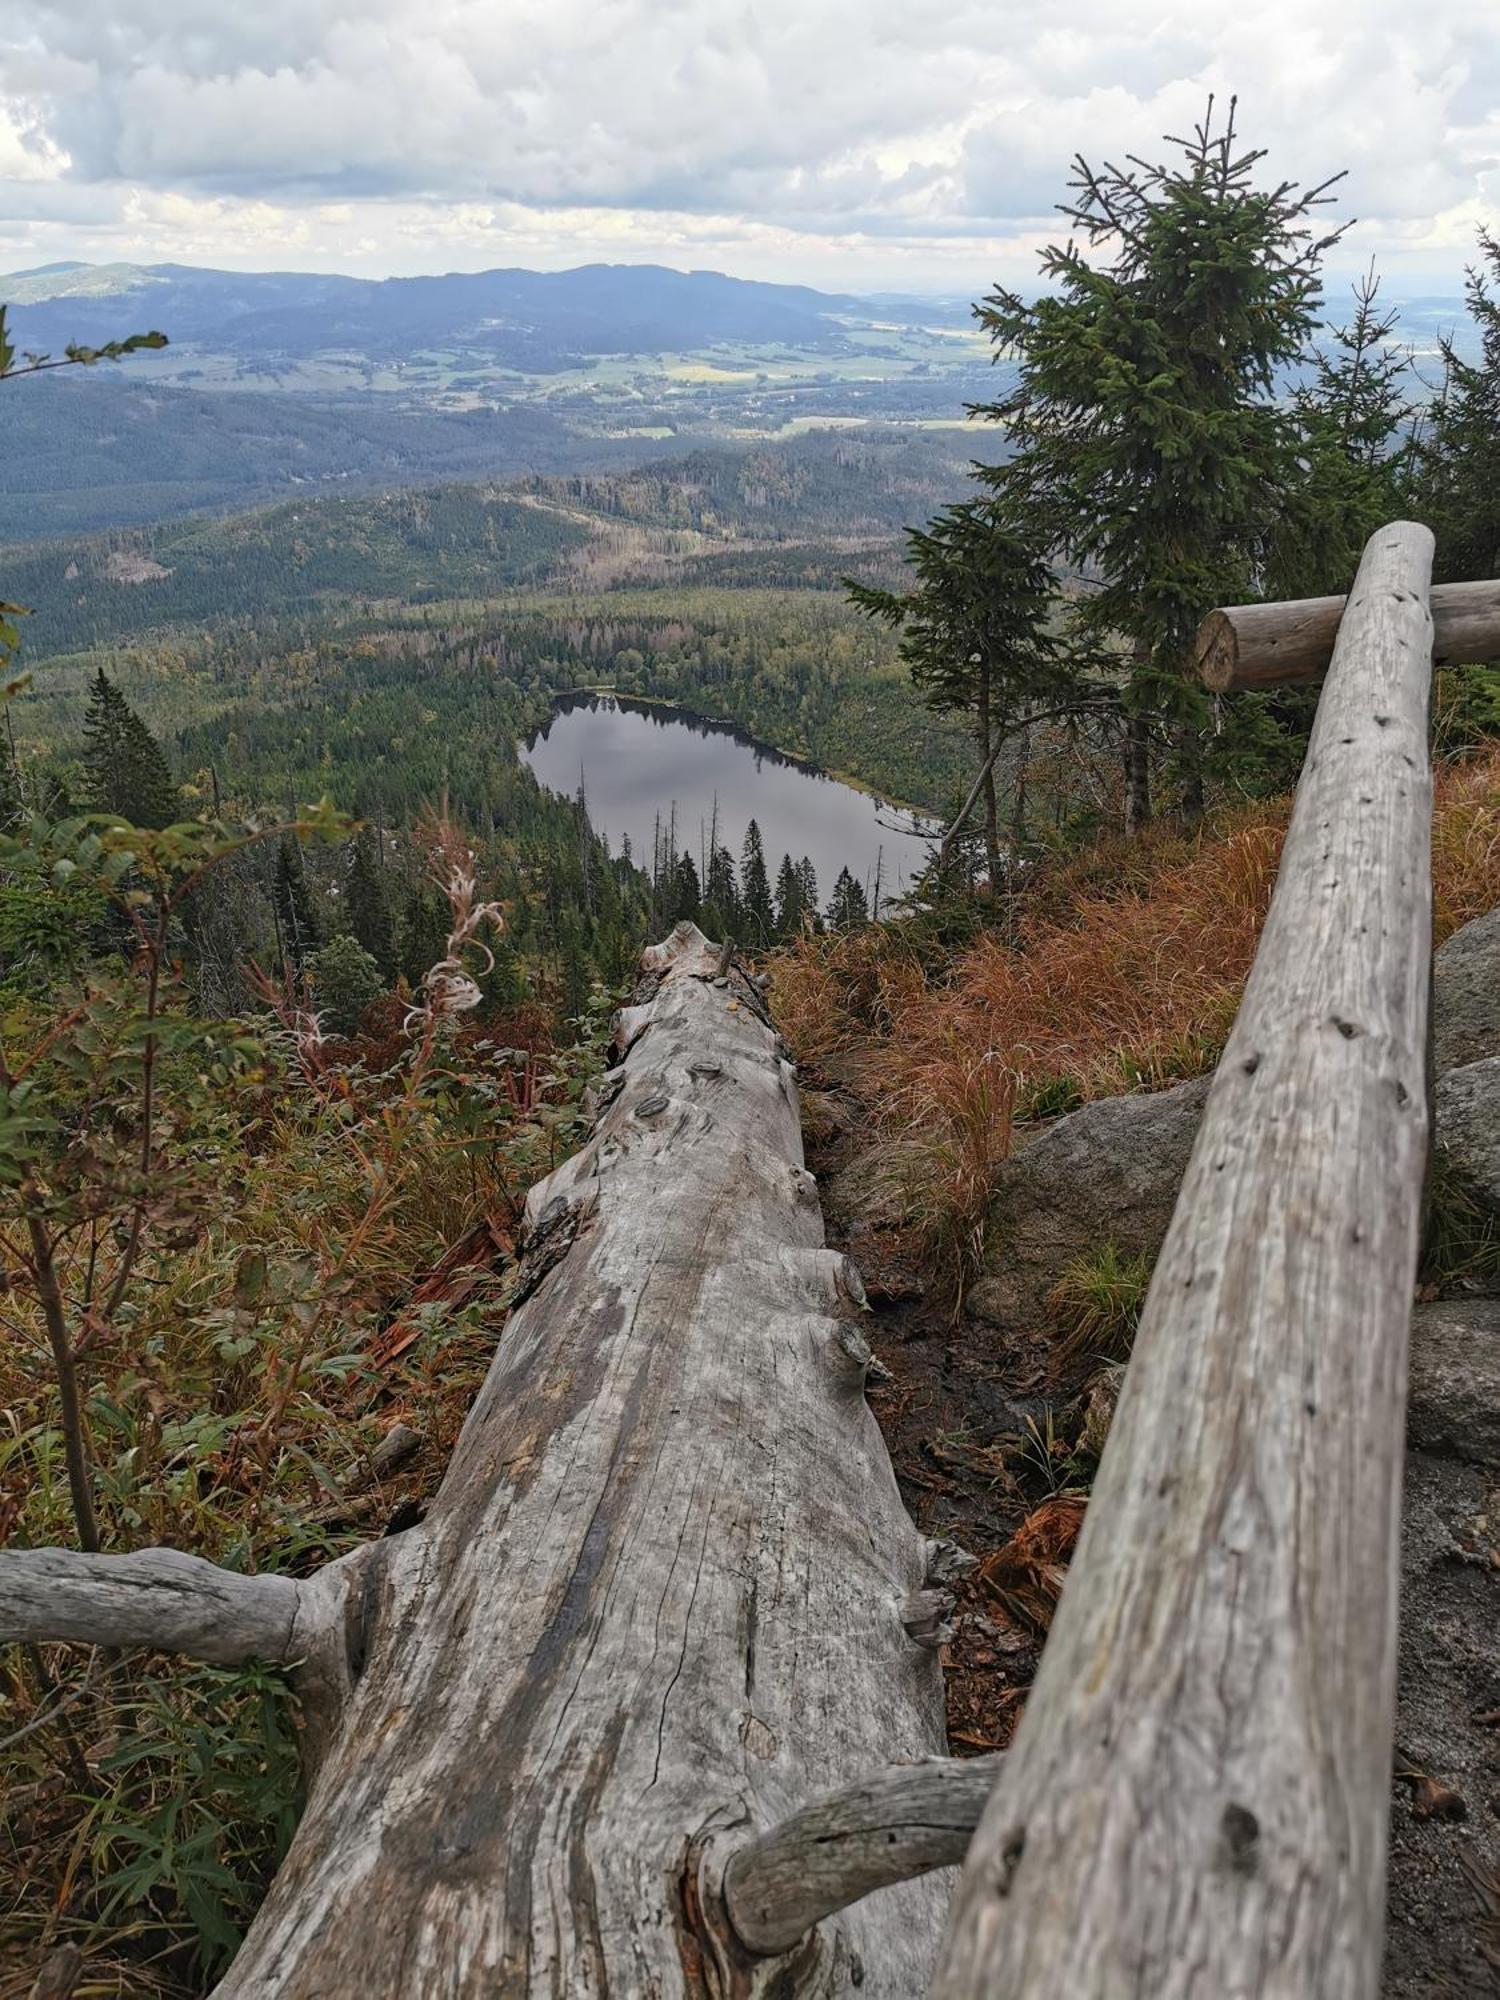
1196	1800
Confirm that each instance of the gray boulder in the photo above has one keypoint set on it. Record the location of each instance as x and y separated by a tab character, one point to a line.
1453	1405
1466	1104
1466	995
1108	1173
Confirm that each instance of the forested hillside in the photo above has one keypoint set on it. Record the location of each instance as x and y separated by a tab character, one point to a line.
89	454
806	506
442	542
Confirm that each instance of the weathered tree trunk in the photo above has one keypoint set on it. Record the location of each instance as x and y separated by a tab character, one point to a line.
987	748
1137	773
1190	774
662	1596
667	1594
1018	793
1196	1801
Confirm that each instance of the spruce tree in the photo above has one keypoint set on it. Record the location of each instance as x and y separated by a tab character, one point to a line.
721	896
974	629
788	898
807	883
1151	442
296	919
345	979
849	905
1354	442
757	915
687	893
367	902
1458	460
127	772
425	923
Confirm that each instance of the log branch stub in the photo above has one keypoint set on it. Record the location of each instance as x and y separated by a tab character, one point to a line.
1268	645
158	1598
1197	1797
165	1601
842	1847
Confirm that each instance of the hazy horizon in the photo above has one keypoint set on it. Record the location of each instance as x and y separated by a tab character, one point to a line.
1441	285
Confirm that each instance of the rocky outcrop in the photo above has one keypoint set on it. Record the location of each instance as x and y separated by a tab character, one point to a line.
1441	1935
1466	995
1453	1403
1466	1103
1108	1173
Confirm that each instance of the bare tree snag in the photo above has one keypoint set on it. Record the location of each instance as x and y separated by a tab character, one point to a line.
657	1605
1264	645
1196	1800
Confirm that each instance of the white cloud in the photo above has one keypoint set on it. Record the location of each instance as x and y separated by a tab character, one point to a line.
869	135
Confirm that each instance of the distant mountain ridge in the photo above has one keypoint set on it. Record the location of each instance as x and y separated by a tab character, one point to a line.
526	319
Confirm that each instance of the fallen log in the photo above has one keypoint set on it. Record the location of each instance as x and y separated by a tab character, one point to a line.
1267	645
667	1594
1196	1800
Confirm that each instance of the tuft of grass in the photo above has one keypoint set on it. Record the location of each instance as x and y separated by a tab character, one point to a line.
1049	1097
1461	1239
960	1102
1096	1304
1122	970
1466	841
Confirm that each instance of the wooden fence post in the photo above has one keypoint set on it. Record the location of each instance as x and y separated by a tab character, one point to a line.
1196	1801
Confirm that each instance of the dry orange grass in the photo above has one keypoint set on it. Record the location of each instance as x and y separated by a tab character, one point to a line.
1124	972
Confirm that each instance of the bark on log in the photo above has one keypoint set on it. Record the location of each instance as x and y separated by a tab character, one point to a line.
1266	645
889	1828
658	1602
1196	1800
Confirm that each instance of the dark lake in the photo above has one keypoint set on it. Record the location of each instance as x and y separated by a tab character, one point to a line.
637	762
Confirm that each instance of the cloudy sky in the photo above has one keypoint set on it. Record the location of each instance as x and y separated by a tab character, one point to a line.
908	144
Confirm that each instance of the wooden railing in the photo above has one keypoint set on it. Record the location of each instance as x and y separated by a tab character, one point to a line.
1197	1798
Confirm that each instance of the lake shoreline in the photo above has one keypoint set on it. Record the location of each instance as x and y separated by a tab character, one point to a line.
651	767
814	770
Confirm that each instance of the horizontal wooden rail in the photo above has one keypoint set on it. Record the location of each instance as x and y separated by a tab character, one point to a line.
1266	645
1196	1800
